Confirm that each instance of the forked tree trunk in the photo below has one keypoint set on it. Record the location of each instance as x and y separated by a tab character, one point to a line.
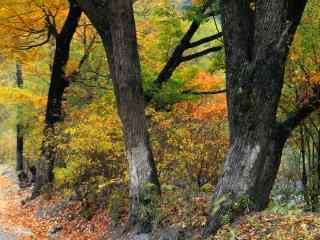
115	23
58	83
256	44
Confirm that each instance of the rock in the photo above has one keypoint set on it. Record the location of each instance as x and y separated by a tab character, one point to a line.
7	236
55	229
24	232
52	212
57	210
143	236
133	236
71	216
53	232
182	183
174	234
41	213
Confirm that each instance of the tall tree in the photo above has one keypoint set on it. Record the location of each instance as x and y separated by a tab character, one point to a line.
114	21
58	83
257	37
19	127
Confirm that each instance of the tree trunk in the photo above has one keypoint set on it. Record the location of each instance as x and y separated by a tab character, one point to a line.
304	176
116	26
270	169
249	175
58	83
256	45
19	150
318	158
19	127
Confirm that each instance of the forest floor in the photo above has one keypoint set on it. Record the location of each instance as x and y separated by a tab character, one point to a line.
52	218
44	218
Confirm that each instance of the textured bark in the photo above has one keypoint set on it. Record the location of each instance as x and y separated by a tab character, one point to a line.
58	84
270	169
59	79
115	23
256	44
19	127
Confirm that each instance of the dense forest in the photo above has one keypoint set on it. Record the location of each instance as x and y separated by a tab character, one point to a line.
160	119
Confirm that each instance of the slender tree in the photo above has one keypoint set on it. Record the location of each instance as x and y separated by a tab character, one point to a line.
59	81
257	37
19	126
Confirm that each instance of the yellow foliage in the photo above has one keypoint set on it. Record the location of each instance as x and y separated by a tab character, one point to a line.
188	145
14	96
92	147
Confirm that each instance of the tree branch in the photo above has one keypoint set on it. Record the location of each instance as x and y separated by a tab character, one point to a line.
175	59
295	13
201	53
84	58
37	44
204	93
184	44
205	40
295	118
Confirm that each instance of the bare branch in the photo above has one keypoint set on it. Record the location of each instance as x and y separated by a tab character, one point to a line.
36	45
205	93
295	118
84	58
176	58
205	40
200	54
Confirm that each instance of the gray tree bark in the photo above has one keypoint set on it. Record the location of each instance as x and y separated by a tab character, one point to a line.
114	21
257	41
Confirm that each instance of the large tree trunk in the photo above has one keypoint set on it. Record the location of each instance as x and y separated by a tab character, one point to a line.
116	26
19	127
58	83
249	174
256	45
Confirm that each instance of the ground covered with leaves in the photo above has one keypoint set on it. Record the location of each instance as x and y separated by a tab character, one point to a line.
272	225
36	219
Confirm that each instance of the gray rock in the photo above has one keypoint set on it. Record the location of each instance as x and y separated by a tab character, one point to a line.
41	213
143	236
54	230
174	234
52	212
56	211
6	236
14	233
133	236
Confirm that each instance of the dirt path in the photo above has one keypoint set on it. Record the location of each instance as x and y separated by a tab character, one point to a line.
10	202
33	221
6	236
